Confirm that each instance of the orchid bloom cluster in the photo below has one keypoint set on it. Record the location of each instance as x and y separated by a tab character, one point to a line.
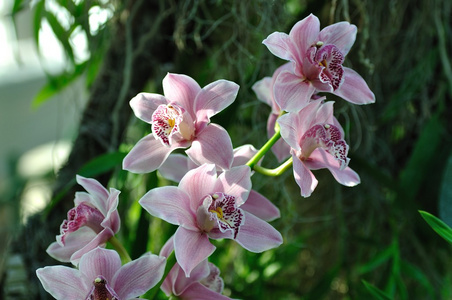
214	198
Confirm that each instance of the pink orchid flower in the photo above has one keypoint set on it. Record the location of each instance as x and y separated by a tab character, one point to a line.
316	139
100	276
206	206
264	92
317	58
181	119
91	223
177	165
204	282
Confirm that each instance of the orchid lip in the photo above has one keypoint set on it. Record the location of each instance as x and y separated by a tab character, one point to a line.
328	137
101	290
220	211
79	216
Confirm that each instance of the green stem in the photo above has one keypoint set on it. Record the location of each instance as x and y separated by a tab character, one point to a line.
170	262
274	172
253	161
125	258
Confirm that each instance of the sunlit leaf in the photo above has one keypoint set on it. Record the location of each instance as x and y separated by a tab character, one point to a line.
37	19
61	34
375	292
439	226
56	84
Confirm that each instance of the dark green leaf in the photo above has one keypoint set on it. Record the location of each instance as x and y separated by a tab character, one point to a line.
375	292
102	164
445	196
424	152
439	226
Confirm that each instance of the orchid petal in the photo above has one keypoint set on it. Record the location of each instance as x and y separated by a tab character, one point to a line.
213	98
174	167
280	45
181	90
212	145
303	177
144	273
181	282
256	235
170	204
100	261
342	35
290	129
320	159
148	155
354	89
235	182
263	91
62	282
112	219
97	192
280	149
304	34
197	183
243	154
73	242
191	248
261	207
144	105
197	291
99	240
292	92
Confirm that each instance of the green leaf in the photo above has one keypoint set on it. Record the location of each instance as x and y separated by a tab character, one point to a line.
424	153
56	84
439	226
61	34
102	164
377	260
445	196
375	292
37	20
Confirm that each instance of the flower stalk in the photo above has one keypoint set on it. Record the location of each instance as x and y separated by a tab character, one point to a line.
125	257
274	172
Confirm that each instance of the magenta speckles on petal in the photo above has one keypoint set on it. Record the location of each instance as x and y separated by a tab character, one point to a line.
225	210
81	215
165	121
328	137
330	58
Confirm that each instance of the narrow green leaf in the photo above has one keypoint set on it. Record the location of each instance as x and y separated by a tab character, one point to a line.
425	151
377	261
102	164
445	196
439	226
37	20
56	84
61	34
18	5
375	292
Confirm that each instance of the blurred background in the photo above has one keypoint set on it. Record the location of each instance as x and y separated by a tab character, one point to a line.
69	67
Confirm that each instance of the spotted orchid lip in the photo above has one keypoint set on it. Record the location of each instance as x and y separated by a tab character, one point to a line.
328	137
101	290
79	216
165	122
